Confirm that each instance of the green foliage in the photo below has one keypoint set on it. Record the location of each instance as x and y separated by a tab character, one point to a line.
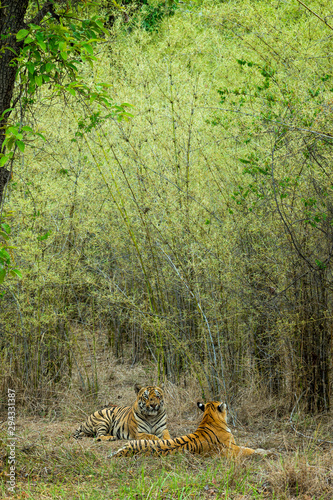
51	54
198	231
152	13
148	14
16	135
55	50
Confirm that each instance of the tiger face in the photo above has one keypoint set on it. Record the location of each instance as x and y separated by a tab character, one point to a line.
150	400
145	419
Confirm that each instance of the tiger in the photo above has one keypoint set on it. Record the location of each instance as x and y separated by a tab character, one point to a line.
211	437
145	419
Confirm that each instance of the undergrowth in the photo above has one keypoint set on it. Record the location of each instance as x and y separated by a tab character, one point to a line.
63	470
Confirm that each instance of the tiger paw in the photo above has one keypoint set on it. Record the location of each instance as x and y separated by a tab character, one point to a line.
106	438
119	453
265	453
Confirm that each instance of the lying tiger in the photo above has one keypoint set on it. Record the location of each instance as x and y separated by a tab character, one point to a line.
212	436
145	419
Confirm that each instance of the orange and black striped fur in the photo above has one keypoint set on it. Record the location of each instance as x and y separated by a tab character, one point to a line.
145	419
212	436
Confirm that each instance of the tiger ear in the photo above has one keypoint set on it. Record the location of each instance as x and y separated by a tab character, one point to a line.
137	388
201	406
222	407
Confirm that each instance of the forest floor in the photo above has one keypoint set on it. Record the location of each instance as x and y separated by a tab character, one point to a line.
50	464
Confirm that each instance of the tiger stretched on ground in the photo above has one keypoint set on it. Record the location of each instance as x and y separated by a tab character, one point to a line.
212	436
145	419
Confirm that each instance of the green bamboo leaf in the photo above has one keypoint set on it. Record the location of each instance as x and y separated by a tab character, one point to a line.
22	34
6	111
31	68
88	48
25	128
4	256
3	160
42	45
4	235
6	227
12	130
3	273
16	272
49	67
10	142
28	40
20	145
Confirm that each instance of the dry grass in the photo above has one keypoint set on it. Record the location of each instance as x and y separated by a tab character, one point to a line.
303	477
51	464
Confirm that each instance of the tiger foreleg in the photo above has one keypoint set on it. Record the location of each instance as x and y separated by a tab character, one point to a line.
266	453
166	434
143	435
122	452
239	451
106	438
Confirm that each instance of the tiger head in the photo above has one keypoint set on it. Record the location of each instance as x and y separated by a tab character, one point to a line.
150	400
215	412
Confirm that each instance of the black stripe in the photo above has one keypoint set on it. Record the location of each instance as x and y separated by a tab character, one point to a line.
207	433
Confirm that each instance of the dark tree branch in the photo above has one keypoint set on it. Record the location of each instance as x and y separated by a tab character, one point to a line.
42	13
48	7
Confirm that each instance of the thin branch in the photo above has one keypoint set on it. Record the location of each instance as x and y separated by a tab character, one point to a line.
286	225
321	19
47	8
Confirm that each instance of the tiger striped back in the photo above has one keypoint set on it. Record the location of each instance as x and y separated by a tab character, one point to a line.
145	419
212	436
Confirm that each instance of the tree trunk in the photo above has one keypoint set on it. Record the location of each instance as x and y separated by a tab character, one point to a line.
12	15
